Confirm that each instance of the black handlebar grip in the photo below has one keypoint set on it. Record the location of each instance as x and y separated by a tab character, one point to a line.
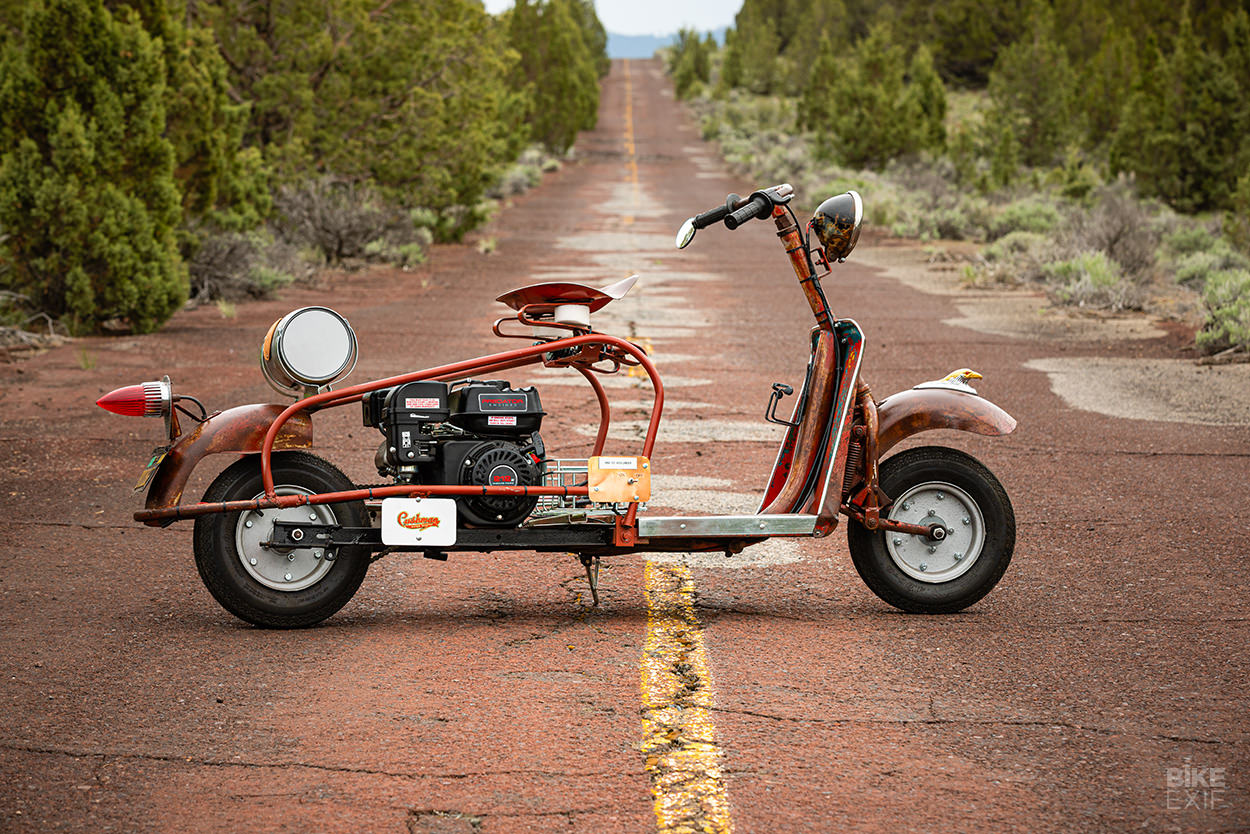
756	208
707	218
712	215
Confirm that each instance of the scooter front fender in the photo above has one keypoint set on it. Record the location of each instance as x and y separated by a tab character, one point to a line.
239	430
921	409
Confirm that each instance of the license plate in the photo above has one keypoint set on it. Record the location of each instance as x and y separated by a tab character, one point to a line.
419	522
149	472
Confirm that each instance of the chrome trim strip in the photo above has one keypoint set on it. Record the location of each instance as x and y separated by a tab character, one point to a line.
836	437
697	526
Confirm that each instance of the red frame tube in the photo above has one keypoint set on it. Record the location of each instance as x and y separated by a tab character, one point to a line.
531	355
605	410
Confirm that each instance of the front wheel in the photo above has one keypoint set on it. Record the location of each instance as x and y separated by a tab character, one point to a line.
936	485
278	587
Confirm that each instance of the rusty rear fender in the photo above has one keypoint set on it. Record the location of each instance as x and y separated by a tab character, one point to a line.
910	412
238	430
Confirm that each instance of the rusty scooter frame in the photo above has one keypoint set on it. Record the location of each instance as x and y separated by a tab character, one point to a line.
830	463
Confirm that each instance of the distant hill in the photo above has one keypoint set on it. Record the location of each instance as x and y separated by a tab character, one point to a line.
644	46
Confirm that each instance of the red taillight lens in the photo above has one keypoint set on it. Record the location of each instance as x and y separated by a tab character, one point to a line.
148	399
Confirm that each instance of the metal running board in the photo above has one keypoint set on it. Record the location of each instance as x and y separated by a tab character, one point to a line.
700	526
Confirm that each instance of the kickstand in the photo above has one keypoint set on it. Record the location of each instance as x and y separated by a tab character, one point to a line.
591	563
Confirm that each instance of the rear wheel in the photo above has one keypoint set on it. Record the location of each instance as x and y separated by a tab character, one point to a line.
278	587
936	485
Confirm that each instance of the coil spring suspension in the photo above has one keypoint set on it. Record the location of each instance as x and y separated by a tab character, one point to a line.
854	461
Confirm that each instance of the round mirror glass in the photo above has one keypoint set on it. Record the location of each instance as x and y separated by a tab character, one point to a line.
685	234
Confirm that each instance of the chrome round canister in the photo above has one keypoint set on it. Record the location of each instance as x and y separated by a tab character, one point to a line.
308	348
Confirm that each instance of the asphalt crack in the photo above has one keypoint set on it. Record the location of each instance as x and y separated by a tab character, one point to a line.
968	722
112	755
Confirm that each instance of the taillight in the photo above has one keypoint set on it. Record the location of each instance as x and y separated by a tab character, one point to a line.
147	399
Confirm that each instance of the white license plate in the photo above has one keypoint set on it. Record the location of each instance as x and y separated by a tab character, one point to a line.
419	522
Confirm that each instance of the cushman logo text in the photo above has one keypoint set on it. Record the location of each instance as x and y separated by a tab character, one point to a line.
416	522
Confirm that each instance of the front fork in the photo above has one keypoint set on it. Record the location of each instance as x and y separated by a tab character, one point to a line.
867	500
863	499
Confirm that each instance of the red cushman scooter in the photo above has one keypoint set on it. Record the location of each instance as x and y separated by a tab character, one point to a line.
283	538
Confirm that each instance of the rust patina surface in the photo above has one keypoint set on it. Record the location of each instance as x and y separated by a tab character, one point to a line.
240	430
910	412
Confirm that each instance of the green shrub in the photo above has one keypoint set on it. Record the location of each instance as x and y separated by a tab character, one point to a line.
1194	269
1121	225
399	254
1237	221
1188	239
1079	181
1029	215
1013	245
517	180
267	279
1227	296
423	218
1090	279
1197	267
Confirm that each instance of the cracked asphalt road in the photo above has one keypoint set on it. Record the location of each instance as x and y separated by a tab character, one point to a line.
484	695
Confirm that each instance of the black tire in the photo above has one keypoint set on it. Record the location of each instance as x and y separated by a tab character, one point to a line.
960	491
268	593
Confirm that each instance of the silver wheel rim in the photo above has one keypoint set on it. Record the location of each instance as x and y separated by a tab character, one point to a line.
282	569
927	560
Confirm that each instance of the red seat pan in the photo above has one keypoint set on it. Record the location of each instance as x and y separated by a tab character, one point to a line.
561	292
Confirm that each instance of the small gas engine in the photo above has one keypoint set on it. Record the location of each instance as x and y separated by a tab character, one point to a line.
468	433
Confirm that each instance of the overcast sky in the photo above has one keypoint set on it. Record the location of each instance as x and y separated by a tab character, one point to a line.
654	17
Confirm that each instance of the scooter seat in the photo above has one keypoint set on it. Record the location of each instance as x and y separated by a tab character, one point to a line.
563	292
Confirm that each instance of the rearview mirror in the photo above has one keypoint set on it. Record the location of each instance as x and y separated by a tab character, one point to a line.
685	234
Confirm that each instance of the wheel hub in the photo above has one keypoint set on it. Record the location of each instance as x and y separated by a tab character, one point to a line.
957	532
283	569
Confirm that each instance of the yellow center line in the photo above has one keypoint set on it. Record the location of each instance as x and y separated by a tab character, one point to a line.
631	156
683	759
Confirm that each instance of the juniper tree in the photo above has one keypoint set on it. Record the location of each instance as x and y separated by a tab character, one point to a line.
1179	130
222	183
87	193
751	59
865	112
691	62
556	69
1033	88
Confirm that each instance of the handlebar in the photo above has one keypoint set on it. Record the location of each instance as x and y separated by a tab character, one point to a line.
758	206
737	210
712	215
